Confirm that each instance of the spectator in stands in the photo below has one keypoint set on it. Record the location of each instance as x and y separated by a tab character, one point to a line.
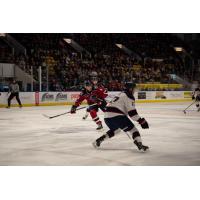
68	69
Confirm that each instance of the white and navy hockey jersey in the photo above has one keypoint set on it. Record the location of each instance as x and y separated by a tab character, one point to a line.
122	105
196	94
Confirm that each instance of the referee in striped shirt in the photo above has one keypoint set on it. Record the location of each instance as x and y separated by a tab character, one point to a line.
14	92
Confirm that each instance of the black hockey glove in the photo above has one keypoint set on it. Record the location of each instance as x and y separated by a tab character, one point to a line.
94	98
143	123
73	109
193	97
103	103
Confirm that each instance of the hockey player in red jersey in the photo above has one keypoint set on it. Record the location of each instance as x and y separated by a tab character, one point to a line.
99	91
116	118
94	99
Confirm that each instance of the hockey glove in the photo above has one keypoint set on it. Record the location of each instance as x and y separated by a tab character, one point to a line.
193	97
103	103
100	102
73	109
143	123
94	98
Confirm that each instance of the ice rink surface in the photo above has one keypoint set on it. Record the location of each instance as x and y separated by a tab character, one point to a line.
28	138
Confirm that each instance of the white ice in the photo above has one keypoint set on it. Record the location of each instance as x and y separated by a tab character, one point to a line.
28	138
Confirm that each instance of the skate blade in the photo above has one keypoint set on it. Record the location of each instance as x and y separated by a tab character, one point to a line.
94	145
144	151
86	119
46	116
100	130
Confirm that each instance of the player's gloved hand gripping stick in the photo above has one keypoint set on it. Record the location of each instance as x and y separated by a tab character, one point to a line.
143	123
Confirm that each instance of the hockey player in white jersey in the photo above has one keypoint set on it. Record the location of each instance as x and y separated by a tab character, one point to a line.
116	118
196	97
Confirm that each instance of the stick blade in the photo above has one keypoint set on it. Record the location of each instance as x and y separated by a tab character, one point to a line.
46	116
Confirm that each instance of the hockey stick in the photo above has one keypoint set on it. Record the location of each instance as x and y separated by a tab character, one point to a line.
129	136
127	133
51	117
189	106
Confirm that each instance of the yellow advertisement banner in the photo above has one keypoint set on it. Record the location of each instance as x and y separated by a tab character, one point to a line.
159	86
187	95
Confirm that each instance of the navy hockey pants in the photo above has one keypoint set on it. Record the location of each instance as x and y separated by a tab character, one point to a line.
119	122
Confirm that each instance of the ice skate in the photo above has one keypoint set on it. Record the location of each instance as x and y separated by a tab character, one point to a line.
100	127
141	147
98	142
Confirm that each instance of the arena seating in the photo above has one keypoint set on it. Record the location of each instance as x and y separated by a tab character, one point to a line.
68	68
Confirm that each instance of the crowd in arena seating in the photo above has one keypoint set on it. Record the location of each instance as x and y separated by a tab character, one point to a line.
68	69
5	52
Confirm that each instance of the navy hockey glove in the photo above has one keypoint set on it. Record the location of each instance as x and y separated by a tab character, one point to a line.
193	97
103	103
73	109
94	98
143	123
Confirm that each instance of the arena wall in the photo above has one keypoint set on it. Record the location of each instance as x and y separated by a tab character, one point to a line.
67	98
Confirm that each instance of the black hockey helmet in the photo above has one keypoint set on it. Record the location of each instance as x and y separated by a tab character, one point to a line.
87	83
197	89
129	89
129	85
